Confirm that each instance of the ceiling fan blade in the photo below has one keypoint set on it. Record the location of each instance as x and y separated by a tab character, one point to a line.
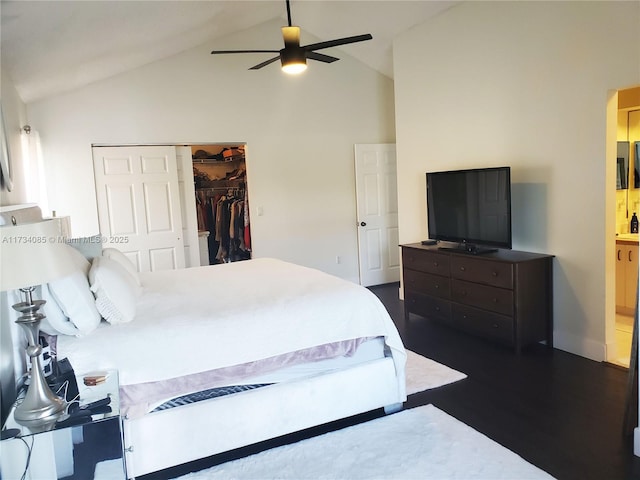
215	52
264	64
321	57
336	42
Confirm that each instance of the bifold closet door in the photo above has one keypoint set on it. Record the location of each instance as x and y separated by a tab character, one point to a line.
139	204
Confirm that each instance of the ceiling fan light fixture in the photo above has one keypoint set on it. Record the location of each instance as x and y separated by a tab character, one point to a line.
294	68
293	61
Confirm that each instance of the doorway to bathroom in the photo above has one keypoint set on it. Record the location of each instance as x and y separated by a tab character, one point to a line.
626	212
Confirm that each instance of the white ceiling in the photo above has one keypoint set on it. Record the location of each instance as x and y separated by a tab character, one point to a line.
49	47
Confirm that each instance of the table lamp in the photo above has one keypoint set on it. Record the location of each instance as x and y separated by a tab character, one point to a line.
33	254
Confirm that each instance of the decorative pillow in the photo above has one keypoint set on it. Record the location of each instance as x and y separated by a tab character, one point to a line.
115	290
73	296
123	260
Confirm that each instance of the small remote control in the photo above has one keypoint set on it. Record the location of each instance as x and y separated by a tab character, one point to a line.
98	403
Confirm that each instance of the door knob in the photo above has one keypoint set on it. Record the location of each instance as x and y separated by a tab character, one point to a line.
363	224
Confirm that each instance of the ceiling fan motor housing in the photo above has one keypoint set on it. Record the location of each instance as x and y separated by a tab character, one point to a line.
293	55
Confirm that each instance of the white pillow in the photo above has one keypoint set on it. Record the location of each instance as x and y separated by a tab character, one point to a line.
79	260
73	296
115	290
55	321
123	260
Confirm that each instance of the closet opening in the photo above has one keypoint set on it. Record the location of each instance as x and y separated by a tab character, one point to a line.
222	203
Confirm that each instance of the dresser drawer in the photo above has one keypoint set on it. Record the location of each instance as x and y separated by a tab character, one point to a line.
426	261
471	269
498	300
480	322
427	306
427	283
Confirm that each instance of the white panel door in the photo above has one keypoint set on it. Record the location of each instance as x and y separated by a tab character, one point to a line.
139	204
377	204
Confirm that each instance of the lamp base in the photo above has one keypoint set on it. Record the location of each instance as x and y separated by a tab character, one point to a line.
41	419
40	408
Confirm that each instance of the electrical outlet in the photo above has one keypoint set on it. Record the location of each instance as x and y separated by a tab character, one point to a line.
338	259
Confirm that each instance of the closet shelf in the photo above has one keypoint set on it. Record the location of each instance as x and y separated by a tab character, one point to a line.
217	161
221	183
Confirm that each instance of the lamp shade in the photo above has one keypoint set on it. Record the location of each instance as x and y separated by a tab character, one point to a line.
32	254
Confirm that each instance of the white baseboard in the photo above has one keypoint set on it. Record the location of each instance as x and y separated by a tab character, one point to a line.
580	346
612	352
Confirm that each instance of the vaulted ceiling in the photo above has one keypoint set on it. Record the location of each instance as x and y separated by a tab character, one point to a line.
49	47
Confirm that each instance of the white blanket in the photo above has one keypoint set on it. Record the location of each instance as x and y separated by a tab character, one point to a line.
198	319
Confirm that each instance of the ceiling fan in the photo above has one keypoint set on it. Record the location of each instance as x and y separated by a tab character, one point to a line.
294	56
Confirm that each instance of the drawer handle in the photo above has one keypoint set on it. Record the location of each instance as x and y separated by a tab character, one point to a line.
463	293
495	274
436	286
629	255
462	269
495	325
495	300
435	264
618	254
437	309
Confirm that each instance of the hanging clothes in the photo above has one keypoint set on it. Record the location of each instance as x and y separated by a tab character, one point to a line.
226	217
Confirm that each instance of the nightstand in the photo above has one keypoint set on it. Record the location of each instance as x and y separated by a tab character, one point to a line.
70	452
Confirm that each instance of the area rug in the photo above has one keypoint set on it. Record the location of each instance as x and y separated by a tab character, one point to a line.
424	374
418	443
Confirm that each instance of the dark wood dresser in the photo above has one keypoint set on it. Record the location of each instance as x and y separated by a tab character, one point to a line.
505	296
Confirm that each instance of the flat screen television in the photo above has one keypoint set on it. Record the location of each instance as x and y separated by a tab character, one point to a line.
471	208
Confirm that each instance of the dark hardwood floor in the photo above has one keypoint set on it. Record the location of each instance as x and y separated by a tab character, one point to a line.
559	411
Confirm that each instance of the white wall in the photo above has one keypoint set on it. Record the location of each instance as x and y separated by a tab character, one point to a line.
299	131
523	84
15	117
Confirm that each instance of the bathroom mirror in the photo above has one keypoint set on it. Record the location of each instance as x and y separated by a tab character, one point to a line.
622	166
635	167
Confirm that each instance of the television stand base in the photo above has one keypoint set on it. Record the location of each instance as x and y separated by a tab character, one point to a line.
470	249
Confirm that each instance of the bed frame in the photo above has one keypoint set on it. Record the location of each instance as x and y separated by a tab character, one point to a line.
172	437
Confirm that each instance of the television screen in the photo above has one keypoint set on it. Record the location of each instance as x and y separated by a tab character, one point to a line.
470	207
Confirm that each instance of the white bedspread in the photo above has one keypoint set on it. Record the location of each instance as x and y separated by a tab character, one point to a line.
197	319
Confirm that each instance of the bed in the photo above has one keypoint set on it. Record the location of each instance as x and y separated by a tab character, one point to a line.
298	347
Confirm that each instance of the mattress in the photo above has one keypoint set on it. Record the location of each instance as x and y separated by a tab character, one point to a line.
139	399
208	318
